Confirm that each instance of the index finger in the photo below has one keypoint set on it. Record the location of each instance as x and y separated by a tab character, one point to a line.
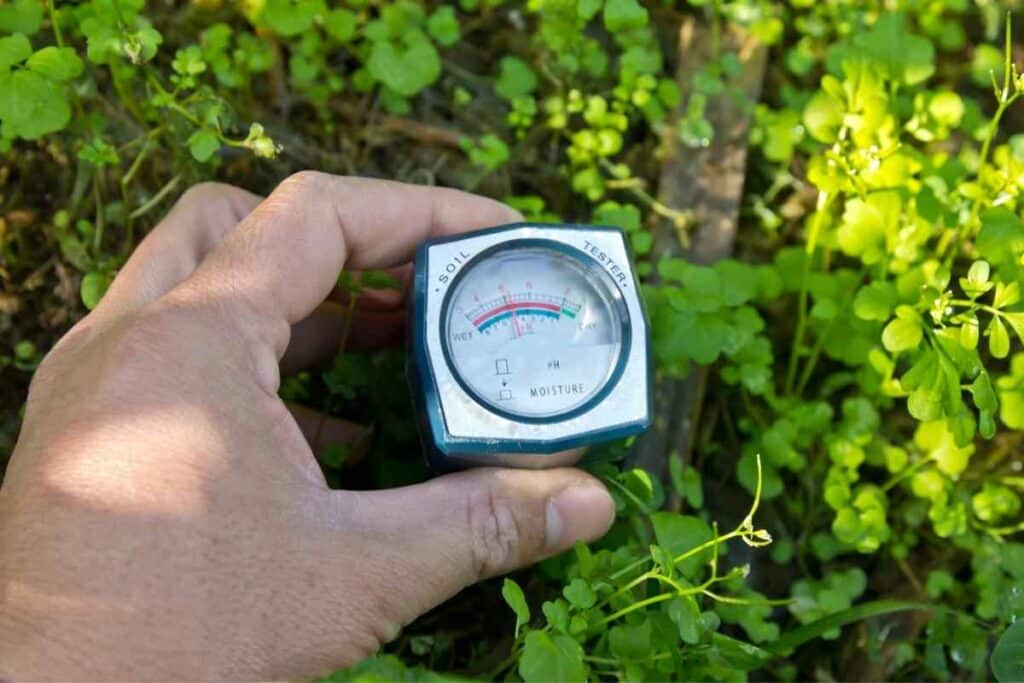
285	256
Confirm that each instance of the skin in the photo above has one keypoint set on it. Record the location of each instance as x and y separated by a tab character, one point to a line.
163	515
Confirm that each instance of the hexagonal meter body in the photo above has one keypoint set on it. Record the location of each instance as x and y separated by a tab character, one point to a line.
527	342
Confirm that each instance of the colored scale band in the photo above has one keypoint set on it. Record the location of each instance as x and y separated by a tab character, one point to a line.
506	311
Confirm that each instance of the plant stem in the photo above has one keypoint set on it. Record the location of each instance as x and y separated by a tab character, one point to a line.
57	37
157	198
906	472
97	238
823	204
125	97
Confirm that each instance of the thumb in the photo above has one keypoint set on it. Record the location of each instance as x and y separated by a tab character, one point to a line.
446	534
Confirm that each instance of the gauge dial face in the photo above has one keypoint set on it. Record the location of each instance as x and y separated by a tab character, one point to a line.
534	332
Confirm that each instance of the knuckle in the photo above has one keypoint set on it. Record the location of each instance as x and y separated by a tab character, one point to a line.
64	353
496	533
301	183
217	198
203	193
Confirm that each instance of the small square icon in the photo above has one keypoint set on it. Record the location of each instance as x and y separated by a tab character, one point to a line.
501	366
504	395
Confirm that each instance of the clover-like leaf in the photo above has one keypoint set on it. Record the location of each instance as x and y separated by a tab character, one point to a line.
906	58
443	26
341	24
202	144
405	68
59	64
291	17
1008	654
14	50
680	533
875	301
902	333
549	658
1001	236
624	15
32	105
823	116
580	594
515	78
21	16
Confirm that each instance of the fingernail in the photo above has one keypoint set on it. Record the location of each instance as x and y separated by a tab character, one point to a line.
578	513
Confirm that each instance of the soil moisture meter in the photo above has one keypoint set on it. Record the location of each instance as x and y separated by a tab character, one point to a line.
527	340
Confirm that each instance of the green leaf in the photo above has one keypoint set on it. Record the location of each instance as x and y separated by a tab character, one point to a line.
793	639
875	301
489	152
630	642
341	24
682	533
685	614
823	116
381	279
515	599
557	614
902	334
939	581
739	655
624	15
1006	294
1001	237
1016	321
443	26
98	152
142	46
867	223
969	332
739	282
32	105
291	17
984	394
21	16
947	108
13	50
60	64
623	216
405	69
188	61
94	286
903	56
1008	654
642	242
548	658
998	338
690	487
203	144
580	594
515	78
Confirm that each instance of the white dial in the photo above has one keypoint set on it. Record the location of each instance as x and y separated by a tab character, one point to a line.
534	332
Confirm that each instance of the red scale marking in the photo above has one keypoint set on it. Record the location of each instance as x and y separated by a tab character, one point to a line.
514	306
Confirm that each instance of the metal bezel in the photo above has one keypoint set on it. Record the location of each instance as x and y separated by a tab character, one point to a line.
451	417
618	302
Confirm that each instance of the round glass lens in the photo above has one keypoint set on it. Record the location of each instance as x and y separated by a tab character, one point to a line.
533	332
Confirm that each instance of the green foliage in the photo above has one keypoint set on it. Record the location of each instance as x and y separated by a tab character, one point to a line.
1008	655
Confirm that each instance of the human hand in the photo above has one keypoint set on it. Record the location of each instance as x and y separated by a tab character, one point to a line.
163	516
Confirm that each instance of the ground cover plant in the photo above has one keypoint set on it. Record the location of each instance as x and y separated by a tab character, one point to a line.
852	508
